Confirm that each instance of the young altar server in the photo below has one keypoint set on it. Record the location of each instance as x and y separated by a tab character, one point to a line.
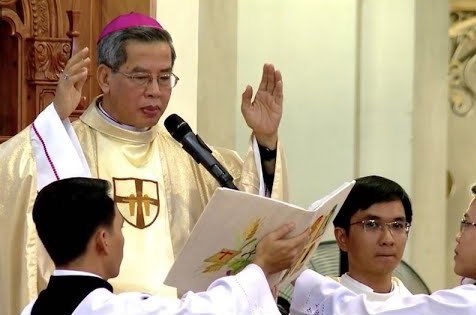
81	229
319	295
371	230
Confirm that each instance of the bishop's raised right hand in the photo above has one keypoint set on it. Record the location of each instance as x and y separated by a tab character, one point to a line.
70	84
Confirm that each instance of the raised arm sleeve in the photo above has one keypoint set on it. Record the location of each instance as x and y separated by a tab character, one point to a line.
247	293
56	149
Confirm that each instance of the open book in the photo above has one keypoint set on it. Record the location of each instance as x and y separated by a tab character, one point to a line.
224	240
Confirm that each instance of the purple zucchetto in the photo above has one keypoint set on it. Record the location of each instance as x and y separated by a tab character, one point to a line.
124	21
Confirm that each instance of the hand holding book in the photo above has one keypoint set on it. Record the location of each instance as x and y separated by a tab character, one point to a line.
275	253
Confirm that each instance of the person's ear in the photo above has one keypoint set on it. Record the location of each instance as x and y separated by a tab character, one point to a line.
101	241
341	238
104	77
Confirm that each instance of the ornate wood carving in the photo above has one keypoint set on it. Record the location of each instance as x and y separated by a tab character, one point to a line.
7	2
37	43
37	40
73	33
462	64
17	26
45	96
47	58
40	14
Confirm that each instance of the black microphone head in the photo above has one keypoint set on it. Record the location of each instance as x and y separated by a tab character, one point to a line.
177	127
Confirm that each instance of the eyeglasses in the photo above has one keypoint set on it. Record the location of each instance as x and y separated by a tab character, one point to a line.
463	224
165	80
395	227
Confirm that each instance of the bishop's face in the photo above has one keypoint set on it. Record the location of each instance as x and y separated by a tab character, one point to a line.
128	97
465	251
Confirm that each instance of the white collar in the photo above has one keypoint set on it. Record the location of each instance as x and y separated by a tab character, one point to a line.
64	272
466	280
114	122
365	288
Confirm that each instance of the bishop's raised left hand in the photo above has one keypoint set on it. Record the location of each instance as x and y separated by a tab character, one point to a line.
264	113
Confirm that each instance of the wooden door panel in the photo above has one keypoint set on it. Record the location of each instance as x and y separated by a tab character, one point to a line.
9	123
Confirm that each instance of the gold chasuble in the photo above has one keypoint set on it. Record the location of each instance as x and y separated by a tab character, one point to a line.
131	162
158	188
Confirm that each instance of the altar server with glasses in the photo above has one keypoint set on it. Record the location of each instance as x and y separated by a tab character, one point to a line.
319	295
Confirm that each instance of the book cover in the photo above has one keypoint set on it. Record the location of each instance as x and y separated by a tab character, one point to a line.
224	240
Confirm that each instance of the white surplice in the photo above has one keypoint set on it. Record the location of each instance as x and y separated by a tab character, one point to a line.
246	293
319	295
398	288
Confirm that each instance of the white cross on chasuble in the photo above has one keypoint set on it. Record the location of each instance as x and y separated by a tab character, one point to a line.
138	191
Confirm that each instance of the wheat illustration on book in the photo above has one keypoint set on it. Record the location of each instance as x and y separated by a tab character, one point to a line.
237	259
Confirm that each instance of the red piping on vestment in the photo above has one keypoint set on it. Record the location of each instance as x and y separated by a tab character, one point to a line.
46	152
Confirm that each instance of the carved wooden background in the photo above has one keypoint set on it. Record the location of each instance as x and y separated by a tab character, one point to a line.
462	65
461	118
37	37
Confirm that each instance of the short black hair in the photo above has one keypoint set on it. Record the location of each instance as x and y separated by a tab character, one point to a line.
369	190
68	212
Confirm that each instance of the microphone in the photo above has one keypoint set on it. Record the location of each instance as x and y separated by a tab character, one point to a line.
200	152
